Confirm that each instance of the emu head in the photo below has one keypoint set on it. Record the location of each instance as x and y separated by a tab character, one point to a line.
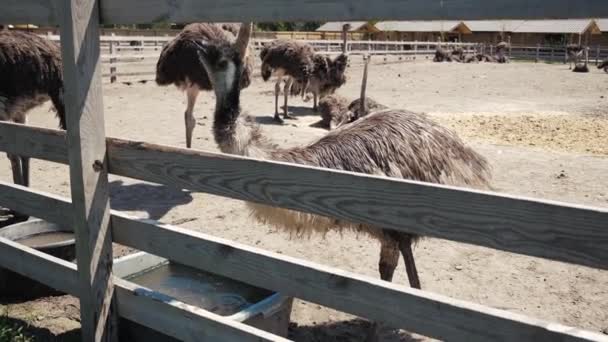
223	65
337	74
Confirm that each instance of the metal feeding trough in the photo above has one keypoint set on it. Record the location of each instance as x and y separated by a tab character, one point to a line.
45	237
260	308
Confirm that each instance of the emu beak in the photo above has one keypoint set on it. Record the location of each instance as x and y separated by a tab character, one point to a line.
202	50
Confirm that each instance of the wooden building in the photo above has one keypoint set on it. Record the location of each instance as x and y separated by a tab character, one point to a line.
359	30
447	30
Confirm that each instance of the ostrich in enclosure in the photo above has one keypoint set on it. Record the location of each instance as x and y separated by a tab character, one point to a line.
30	74
326	77
574	52
179	64
574	55
288	61
386	143
336	111
603	65
501	52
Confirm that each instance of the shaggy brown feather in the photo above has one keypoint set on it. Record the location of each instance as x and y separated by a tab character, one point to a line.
603	65
389	143
327	76
30	74
295	58
179	64
371	106
334	111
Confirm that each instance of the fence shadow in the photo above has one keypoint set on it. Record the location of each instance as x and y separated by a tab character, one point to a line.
156	200
355	330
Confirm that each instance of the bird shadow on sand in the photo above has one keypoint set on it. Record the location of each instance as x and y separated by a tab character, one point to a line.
345	331
295	111
156	200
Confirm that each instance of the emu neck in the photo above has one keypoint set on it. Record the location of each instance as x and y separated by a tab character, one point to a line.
234	133
242	39
227	110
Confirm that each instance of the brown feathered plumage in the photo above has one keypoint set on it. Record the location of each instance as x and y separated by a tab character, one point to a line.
293	57
178	62
390	143
371	106
30	74
334	111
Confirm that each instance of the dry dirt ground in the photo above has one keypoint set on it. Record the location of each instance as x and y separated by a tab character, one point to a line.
544	130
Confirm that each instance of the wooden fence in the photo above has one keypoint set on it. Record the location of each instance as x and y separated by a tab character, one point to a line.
568	233
136	56
126	56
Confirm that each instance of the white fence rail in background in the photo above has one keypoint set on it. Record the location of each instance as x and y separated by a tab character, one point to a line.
135	57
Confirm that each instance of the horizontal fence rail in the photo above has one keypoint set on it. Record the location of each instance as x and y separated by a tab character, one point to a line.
552	230
120	59
136	303
181	11
418	311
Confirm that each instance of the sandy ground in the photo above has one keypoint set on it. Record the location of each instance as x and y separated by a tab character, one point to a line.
543	128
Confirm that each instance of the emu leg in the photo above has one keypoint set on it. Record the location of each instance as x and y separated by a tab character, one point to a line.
16	168
20	179
314	105
389	259
192	93
287	92
25	171
405	245
277	90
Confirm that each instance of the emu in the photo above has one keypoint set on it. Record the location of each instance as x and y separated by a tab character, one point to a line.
336	111
289	61
603	65
178	62
327	76
31	74
386	143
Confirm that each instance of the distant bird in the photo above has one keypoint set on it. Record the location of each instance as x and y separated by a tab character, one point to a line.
289	61
179	64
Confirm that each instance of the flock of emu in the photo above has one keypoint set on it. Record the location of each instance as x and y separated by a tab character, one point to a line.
458	54
364	136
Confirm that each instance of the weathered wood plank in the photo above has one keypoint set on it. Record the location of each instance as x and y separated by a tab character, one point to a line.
324	285
49	270
131	11
141	305
179	320
41	143
40	12
88	170
545	229
36	203
418	311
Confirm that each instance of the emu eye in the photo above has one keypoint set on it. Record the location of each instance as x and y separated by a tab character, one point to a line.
222	64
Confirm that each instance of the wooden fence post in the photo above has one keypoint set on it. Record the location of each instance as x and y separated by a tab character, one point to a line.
537	52
88	167
112	61
415	49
